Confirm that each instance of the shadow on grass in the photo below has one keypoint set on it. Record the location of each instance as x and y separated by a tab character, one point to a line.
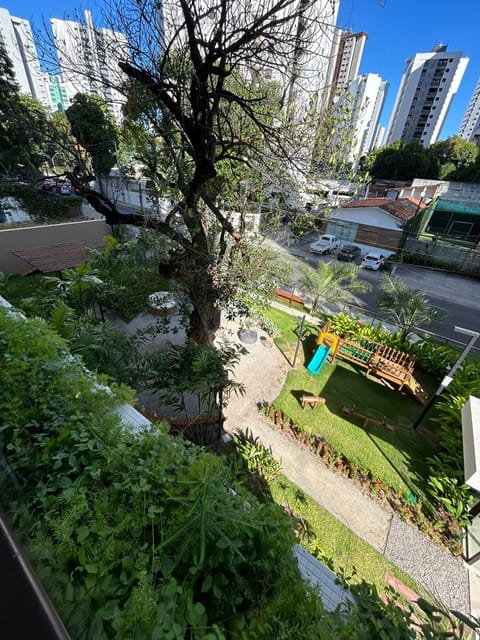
403	451
347	388
298	393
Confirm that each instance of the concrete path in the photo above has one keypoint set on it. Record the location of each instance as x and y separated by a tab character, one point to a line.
262	370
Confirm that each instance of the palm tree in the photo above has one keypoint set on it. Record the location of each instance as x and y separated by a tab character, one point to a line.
332	282
407	308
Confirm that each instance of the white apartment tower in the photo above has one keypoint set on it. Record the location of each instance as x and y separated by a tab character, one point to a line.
17	37
368	93
89	58
308	76
470	126
429	83
345	61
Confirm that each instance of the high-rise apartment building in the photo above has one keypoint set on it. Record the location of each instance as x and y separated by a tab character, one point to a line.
368	93
307	77
470	127
429	83
346	56
89	58
17	37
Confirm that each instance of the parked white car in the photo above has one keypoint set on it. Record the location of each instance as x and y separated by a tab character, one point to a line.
373	260
325	244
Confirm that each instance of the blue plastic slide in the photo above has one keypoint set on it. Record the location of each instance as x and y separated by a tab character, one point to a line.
318	360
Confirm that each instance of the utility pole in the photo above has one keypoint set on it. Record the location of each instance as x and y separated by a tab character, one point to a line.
299	332
447	380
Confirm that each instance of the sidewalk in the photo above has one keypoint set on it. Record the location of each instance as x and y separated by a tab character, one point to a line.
263	371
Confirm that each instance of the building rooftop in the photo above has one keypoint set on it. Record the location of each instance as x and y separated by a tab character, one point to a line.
401	208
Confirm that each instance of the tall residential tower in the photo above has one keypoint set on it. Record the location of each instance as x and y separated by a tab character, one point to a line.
17	37
347	52
427	88
470	126
89	58
368	93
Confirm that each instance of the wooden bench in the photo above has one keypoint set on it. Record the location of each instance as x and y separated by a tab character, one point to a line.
290	298
311	401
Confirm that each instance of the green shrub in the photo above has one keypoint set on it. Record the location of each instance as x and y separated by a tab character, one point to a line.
435	358
133	534
446	480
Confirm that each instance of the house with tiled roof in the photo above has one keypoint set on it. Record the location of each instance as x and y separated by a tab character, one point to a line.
373	223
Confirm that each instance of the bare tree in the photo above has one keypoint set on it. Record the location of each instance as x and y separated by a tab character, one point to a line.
211	82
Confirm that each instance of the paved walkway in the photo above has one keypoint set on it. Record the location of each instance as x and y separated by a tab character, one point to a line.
262	370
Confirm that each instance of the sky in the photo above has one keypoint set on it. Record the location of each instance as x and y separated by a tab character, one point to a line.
397	29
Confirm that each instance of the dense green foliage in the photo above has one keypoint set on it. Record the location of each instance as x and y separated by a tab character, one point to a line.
95	131
446	482
23	125
134	534
450	159
129	271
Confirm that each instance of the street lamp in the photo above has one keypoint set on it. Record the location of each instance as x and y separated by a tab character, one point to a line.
449	377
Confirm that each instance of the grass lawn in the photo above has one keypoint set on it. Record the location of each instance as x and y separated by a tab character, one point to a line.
331	541
286	323
397	458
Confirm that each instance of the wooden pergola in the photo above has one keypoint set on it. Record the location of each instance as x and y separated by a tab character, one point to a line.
56	257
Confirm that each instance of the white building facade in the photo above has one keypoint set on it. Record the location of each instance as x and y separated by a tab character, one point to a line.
470	126
428	86
88	58
347	52
368	93
17	37
308	75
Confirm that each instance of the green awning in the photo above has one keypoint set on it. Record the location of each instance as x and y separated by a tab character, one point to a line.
452	207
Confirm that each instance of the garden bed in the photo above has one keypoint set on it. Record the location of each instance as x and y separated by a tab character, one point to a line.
438	526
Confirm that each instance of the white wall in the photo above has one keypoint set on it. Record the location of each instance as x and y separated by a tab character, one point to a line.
371	216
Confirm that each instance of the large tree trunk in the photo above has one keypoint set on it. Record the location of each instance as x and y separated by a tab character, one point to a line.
205	316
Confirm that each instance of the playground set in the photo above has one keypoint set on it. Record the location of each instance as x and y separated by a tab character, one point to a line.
394	368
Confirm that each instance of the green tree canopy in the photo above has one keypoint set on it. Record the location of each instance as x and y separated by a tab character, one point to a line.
400	161
407	308
450	159
95	130
454	156
23	124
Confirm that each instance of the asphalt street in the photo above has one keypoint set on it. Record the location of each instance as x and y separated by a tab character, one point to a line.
458	297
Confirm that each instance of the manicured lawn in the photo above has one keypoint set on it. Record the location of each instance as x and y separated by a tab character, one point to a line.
286	323
397	458
331	541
